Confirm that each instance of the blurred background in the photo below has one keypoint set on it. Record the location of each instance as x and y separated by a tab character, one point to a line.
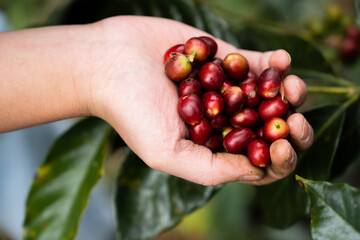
230	214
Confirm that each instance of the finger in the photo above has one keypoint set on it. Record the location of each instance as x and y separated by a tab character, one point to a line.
295	90
301	133
197	164
283	162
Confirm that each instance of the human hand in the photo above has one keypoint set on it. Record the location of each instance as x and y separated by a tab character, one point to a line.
131	91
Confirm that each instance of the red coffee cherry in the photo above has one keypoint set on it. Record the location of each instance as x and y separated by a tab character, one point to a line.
258	153
252	97
213	104
189	86
212	46
353	32
179	48
268	83
218	61
226	84
197	49
214	143
349	49
276	107
274	129
233	100
219	122
226	130
236	66
238	140
200	132
247	117
250	78
191	109
211	76
178	67
260	133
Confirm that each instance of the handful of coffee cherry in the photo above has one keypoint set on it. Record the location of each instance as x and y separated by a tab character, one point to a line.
225	105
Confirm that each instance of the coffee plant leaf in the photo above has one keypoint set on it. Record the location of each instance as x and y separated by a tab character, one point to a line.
334	209
63	183
148	202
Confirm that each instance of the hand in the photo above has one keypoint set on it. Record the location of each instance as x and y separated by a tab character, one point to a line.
133	94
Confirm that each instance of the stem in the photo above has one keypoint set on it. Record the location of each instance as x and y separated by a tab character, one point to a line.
348	91
324	76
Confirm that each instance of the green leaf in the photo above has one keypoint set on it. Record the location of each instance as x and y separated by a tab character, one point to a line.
357	9
61	188
348	150
278	199
186	11
334	210
149	202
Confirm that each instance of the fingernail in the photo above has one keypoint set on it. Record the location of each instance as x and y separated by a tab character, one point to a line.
288	57
250	178
291	159
305	130
297	82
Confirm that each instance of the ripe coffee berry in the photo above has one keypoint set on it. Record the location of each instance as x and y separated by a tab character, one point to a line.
238	140
213	104
191	109
268	83
178	67
258	153
179	48
275	128
236	66
197	49
224	104
189	86
211	76
200	132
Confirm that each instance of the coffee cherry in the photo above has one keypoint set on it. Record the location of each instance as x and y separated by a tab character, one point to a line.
268	83
258	153
218	61
233	100
200	132
179	48
197	49
250	78
274	129
191	109
349	49
275	107
214	143
189	86
219	122
260	133
238	140
226	84
248	117
252	97
178	67
213	104
212	46
236	66
211	76
353	32
226	130
194	73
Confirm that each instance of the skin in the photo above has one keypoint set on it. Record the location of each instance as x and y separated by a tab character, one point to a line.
61	72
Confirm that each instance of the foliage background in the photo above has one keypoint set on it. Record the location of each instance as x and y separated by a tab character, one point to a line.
311	32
